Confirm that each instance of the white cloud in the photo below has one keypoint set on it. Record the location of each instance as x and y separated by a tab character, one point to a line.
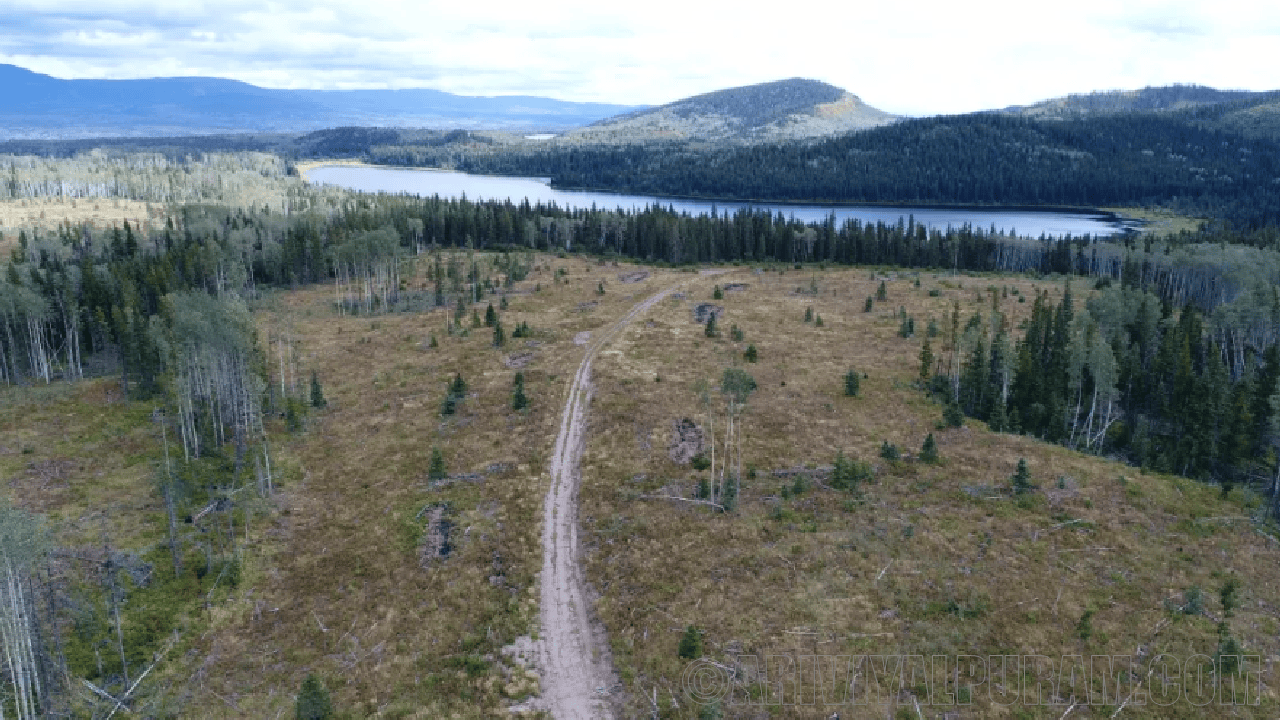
910	57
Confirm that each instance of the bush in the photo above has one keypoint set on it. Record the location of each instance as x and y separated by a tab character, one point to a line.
313	700
717	294
750	355
700	462
736	333
953	416
889	451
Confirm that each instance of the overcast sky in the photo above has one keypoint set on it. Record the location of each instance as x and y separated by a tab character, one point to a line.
903	56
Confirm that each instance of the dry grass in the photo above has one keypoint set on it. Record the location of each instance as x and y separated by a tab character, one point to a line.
339	586
48	214
334	583
919	565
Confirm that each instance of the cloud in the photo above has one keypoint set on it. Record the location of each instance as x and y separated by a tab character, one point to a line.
903	57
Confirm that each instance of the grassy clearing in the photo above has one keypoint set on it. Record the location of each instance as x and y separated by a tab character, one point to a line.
926	560
930	559
341	587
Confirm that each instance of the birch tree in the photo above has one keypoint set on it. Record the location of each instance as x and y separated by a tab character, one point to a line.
21	548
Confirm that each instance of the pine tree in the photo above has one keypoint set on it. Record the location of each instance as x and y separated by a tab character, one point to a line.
313	700
490	316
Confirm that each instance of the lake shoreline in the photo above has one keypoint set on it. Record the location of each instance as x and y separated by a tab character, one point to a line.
1114	222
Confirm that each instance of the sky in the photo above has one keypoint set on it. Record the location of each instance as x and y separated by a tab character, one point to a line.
906	57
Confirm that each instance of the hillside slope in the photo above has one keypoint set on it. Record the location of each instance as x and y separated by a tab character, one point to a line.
784	109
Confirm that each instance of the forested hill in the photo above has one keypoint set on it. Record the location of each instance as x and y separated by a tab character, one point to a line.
1174	160
1169	97
790	109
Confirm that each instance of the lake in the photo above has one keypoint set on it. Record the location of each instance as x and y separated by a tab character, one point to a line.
448	184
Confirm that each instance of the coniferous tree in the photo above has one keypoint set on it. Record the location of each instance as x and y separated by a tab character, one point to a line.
691	644
750	355
882	293
518	399
499	336
317	393
710	330
490	316
1021	478
313	700
436	469
851	383
929	451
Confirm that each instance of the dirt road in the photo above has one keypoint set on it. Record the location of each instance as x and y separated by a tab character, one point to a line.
573	653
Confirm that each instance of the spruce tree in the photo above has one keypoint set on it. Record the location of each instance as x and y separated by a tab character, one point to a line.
313	700
1021	479
868	305
808	314
499	337
317	394
717	294
851	383
750	355
490	316
711	330
929	451
882	293
518	399
436	469
691	644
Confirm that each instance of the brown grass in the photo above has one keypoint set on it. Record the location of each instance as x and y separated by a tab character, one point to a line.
891	574
926	562
48	214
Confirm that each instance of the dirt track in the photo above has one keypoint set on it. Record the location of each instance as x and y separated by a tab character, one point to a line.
573	653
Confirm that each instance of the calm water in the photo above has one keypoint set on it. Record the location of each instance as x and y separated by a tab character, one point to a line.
448	184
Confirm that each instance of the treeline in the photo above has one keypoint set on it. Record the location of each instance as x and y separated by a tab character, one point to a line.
1123	159
1127	374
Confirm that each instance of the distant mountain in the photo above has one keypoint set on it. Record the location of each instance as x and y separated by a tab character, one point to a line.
1169	97
38	106
781	110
